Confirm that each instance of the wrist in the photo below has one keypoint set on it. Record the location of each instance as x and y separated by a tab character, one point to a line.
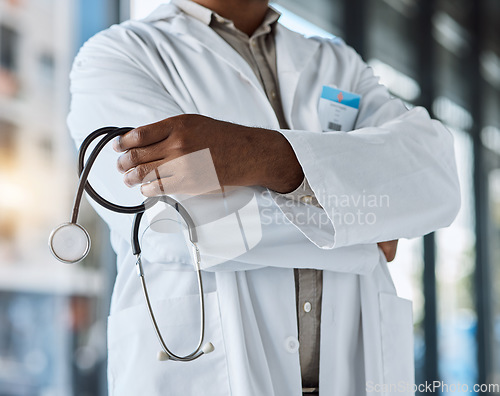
277	165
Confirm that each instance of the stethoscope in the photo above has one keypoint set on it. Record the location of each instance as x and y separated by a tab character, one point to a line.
70	242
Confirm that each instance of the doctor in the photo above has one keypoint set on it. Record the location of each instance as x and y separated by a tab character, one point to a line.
308	305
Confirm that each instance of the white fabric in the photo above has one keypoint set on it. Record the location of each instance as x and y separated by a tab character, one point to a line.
144	71
301	192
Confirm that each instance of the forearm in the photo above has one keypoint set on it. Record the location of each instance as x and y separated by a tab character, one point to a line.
240	155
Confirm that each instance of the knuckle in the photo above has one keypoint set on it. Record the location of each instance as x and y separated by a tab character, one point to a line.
134	156
141	171
177	145
139	134
181	141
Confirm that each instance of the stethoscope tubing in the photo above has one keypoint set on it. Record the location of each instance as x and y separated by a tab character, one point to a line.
84	168
136	250
172	356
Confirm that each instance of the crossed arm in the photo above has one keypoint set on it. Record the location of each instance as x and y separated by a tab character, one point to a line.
393	152
242	156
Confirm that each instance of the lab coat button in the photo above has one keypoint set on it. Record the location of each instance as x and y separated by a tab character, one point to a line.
306	199
307	306
292	344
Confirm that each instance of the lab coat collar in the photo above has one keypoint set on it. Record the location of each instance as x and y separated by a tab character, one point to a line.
291	57
294	49
164	11
190	29
195	10
207	16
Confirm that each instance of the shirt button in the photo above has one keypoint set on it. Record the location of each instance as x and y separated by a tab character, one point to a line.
291	344
254	43
307	306
273	94
306	199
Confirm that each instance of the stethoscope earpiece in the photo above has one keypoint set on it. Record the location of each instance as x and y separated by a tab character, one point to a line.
208	347
69	243
163	356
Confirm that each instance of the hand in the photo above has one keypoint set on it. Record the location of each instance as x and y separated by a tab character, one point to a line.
389	248
161	156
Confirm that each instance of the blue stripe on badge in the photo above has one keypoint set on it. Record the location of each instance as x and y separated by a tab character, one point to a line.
339	96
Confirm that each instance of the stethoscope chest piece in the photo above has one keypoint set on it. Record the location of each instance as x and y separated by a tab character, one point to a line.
69	243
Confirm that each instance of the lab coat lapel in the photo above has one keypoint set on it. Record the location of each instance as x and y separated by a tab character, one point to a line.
194	31
293	52
191	28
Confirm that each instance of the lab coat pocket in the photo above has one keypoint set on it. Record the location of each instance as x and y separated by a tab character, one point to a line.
133	368
397	344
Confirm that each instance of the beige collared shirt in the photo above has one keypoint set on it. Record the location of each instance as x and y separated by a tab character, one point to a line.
259	51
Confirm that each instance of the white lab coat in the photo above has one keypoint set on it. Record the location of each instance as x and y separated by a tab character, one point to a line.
144	71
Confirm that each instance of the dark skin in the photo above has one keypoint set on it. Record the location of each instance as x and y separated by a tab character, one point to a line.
242	156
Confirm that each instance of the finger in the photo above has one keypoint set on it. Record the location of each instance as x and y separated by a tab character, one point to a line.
141	155
163	186
142	136
147	172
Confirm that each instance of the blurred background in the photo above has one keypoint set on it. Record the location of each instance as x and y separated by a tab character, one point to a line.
441	54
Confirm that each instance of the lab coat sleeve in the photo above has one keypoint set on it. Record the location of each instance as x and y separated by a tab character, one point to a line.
302	193
394	176
108	88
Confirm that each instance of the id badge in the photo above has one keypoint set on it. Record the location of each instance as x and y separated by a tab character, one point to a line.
338	109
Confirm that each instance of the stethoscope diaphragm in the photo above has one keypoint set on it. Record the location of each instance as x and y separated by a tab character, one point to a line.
69	243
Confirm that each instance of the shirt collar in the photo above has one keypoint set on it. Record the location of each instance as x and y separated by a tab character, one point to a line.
207	16
195	10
